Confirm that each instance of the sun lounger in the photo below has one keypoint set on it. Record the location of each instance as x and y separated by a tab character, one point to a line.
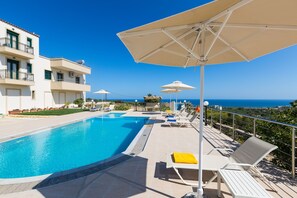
184	121
167	113
179	121
110	108
241	184
93	109
246	157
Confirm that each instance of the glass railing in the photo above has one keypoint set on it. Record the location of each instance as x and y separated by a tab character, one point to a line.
16	45
5	74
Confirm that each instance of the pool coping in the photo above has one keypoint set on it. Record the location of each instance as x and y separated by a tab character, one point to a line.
62	176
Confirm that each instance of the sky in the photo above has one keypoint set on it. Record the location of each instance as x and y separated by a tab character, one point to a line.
86	29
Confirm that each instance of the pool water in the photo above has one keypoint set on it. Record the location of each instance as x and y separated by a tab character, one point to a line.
67	147
113	115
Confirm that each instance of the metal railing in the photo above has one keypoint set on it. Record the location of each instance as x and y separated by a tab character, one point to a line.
6	74
16	45
67	81
239	127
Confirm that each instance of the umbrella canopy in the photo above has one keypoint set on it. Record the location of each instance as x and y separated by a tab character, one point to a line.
229	30
102	91
177	85
219	32
170	90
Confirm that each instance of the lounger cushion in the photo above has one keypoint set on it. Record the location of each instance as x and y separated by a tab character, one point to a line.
171	120
187	158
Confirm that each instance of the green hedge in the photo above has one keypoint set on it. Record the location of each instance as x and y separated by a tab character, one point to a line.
54	112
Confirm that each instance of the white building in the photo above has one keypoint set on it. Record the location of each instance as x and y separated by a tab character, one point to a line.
28	80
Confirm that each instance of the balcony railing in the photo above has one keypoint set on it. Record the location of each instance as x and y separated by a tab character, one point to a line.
239	127
16	45
6	74
75	82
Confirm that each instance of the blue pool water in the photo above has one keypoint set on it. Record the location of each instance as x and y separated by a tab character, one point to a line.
69	146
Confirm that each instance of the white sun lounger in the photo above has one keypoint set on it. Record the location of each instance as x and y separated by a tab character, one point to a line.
110	108
241	184
180	121
246	157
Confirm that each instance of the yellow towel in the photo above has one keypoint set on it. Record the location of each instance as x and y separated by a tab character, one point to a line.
187	158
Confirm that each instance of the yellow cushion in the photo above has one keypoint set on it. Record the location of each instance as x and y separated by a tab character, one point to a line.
169	111
187	158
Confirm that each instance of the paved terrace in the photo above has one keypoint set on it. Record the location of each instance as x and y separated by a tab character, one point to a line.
144	175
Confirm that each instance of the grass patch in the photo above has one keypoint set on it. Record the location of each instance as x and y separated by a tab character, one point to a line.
54	112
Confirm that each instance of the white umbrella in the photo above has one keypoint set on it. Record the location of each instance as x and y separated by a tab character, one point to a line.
219	32
178	85
169	91
102	92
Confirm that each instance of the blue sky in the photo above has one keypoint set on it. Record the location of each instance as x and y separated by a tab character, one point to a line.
86	29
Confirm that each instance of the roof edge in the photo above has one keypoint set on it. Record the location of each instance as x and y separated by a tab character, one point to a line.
19	28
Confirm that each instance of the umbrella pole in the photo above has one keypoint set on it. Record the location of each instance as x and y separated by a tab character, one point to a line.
175	106
170	102
200	189
102	106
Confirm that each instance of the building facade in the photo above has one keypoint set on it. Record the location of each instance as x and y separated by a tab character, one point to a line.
28	80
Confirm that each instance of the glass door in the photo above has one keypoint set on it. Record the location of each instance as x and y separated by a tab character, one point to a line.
13	39
12	69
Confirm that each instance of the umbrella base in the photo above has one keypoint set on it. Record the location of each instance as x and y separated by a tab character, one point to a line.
192	195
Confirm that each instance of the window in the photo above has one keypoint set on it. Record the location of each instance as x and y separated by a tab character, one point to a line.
29	42
47	74
60	76
33	95
77	80
29	68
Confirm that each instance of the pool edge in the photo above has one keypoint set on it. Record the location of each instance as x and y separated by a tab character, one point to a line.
63	176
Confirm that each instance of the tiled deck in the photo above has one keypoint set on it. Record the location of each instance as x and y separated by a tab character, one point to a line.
145	175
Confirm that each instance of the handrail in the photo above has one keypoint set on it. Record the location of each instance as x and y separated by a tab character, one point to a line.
5	74
258	118
254	133
16	45
73	82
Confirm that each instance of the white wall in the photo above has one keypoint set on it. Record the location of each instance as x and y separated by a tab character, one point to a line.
69	96
25	98
42	86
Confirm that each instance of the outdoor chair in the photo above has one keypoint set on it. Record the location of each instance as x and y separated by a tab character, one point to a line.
180	121
246	157
167	113
110	108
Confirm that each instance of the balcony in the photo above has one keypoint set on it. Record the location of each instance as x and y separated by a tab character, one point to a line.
69	86
16	49
16	78
63	64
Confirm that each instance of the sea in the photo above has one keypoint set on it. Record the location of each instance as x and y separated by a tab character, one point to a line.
244	103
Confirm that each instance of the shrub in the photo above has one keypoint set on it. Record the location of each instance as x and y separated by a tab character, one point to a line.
152	99
79	102
122	107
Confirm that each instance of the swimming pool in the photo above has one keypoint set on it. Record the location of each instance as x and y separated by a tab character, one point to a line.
68	147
